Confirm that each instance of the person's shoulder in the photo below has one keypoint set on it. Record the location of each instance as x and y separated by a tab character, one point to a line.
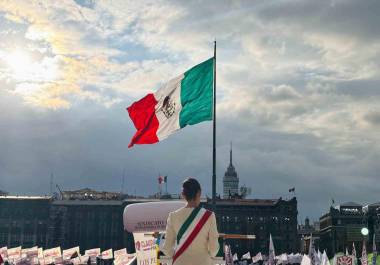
178	211
208	211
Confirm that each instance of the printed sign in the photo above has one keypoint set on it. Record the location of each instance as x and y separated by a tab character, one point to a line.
52	253
40	253
29	252
14	253
92	252
107	254
145	246
120	252
67	253
149	216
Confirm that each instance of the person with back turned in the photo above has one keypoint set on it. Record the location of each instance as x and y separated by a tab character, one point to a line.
191	232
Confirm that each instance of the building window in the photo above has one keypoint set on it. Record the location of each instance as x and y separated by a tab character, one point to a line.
4	238
28	237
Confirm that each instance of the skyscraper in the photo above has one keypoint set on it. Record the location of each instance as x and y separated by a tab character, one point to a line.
230	180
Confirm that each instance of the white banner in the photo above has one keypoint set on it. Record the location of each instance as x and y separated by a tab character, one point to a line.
125	259
52	253
76	261
4	253
145	246
107	254
92	252
149	216
41	261
305	260
84	259
29	252
119	253
40	253
257	258
14	253
67	253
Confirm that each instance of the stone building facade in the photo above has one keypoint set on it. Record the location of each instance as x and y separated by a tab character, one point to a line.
341	227
259	217
92	223
24	220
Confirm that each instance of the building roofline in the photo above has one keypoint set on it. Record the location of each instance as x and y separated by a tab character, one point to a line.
23	197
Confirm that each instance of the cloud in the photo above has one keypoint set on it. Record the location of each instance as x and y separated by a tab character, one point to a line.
297	91
373	117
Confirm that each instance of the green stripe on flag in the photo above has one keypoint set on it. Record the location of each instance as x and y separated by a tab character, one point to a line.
187	223
197	94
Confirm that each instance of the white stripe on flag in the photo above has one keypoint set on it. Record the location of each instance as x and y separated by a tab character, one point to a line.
168	124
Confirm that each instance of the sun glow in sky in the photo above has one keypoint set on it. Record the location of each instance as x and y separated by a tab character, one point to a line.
23	68
19	61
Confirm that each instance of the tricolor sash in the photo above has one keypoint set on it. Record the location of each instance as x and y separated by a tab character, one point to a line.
190	229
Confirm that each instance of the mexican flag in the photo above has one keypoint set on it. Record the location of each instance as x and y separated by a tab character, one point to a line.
184	100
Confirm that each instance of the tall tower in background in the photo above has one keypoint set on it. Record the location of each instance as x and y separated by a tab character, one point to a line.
230	180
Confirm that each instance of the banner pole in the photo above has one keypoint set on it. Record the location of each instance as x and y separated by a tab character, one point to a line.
214	138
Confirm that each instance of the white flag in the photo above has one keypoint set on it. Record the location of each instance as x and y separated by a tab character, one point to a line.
374	251
364	258
228	255
325	259
354	253
284	259
257	258
311	250
298	258
246	255
272	255
306	260
316	256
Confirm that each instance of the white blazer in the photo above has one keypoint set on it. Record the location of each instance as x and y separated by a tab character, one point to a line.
204	246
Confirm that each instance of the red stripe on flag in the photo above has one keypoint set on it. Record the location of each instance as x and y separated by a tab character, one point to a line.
143	115
192	236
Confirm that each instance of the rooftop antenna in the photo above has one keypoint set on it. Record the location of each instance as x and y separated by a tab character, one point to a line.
122	182
51	184
231	153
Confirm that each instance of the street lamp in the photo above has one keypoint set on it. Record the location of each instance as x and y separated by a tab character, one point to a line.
364	231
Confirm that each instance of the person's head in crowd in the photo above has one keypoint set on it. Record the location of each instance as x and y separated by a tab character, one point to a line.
191	191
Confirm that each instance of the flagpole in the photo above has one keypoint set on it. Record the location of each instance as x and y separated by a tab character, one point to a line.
214	138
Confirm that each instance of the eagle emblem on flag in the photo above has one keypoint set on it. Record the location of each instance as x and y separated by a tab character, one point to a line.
168	107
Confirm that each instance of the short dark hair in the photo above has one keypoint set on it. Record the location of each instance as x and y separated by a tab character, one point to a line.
190	188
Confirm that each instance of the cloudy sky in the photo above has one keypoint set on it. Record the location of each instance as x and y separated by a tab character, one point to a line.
298	95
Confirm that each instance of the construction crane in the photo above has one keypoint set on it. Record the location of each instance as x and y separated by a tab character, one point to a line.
60	191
